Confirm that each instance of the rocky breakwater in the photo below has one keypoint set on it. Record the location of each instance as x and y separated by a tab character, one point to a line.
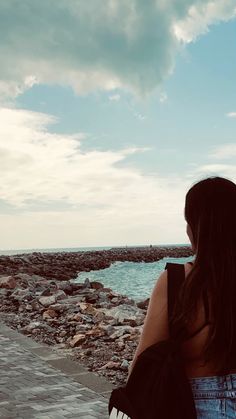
85	321
88	322
66	265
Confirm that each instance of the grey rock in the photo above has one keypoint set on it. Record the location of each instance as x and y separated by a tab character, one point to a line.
24	277
46	292
65	286
125	365
31	326
60	295
143	304
120	331
125	311
7	282
47	301
114	358
87	283
19	294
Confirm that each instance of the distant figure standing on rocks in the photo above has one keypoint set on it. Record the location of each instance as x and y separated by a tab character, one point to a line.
205	308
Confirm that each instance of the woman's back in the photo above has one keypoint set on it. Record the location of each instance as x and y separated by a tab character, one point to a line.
214	395
192	348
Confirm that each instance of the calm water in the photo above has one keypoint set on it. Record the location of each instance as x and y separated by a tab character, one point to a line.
51	250
131	278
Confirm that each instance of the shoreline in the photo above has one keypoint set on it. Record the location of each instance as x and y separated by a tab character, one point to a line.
86	321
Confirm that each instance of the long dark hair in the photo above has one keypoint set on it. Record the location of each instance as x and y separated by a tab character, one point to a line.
210	211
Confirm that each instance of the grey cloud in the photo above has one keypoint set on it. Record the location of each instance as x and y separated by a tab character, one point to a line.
89	44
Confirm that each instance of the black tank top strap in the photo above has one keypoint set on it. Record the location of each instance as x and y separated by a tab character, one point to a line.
176	276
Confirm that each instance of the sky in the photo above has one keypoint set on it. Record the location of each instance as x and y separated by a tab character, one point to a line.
110	110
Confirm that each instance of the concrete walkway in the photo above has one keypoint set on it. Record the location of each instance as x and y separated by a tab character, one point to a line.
36	382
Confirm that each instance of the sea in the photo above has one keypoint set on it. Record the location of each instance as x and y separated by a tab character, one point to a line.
134	279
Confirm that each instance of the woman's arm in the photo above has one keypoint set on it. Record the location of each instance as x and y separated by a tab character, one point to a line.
155	326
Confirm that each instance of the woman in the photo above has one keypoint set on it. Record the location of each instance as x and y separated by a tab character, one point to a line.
206	306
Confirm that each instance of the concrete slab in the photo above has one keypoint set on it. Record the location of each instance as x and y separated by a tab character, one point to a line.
68	366
93	381
38	383
44	352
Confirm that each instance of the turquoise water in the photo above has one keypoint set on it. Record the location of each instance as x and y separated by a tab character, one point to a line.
135	279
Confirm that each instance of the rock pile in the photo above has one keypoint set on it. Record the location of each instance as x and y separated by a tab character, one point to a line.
86	321
100	328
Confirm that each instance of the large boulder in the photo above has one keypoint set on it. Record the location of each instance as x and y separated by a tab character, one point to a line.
110	365
20	294
60	295
76	286
66	287
96	332
46	292
49	314
120	331
77	340
96	285
47	301
143	304
125	312
87	308
32	327
92	298
7	282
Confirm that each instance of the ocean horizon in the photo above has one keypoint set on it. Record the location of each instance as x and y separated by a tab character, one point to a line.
12	252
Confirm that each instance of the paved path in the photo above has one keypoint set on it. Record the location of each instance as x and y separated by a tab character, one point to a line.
36	382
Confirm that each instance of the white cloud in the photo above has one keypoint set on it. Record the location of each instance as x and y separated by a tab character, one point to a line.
37	164
220	168
59	195
53	194
225	151
231	114
223	170
120	44
140	116
133	110
200	16
114	98
163	97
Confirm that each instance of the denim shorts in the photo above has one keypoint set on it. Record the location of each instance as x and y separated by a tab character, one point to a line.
215	396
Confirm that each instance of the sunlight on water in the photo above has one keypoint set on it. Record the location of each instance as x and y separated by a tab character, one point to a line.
135	279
